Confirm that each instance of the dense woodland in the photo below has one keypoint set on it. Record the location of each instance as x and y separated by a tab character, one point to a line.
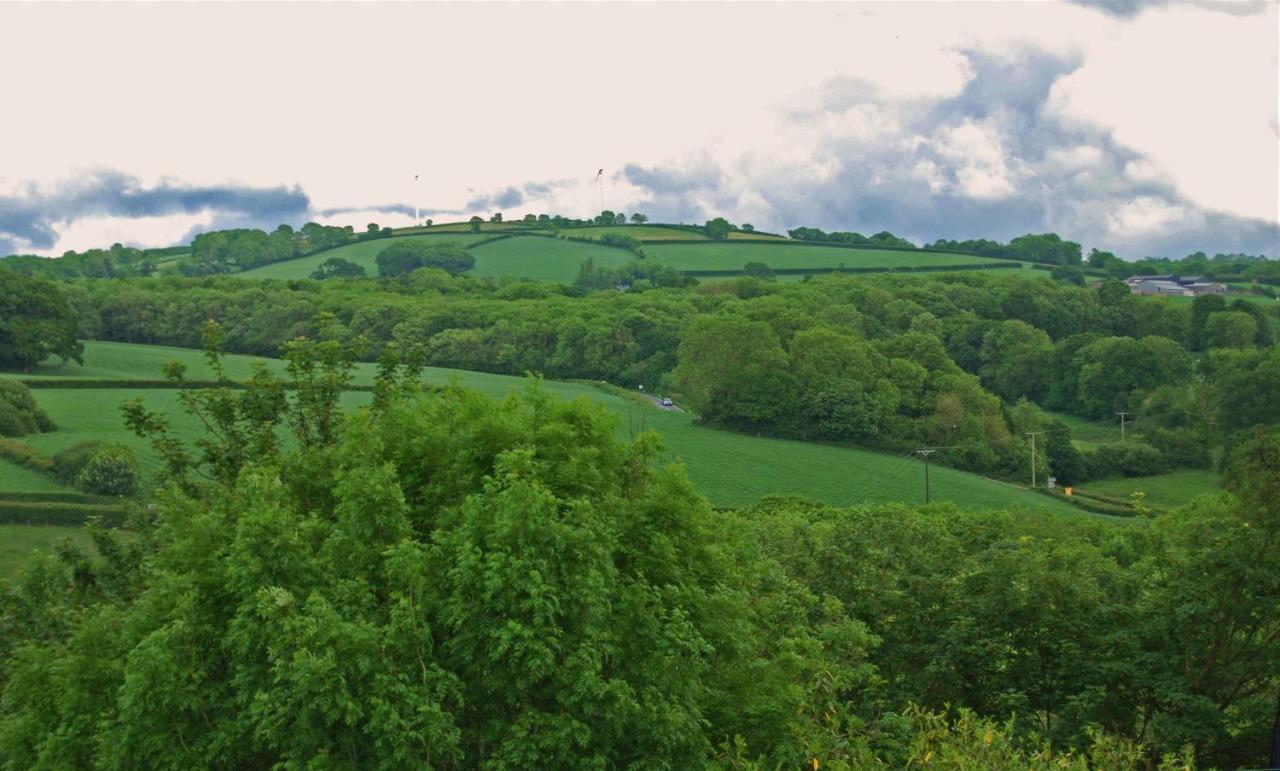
441	580
969	363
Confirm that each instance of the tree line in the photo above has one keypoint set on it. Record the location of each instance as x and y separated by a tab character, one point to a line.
969	363
442	580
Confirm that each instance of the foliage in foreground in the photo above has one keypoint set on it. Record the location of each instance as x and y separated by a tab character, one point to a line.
446	581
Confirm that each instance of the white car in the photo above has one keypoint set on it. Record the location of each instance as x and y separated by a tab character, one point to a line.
667	402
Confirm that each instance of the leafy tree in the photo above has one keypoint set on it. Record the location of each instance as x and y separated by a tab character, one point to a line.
497	217
638	219
1014	358
1230	329
409	255
19	413
111	470
36	321
476	222
758	270
1069	273
733	370
718	229
747	227
337	267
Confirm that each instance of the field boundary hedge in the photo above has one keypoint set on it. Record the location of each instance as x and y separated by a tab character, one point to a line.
16	512
95	383
887	269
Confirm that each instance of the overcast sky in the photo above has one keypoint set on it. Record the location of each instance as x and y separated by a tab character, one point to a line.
1146	128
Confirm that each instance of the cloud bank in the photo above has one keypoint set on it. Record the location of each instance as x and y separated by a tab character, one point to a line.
998	159
36	217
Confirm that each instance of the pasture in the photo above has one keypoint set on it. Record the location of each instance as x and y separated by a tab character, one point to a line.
1162	491
729	468
641	232
720	256
543	259
363	253
19	542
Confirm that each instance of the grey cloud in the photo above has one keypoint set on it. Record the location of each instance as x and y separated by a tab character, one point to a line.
547	188
1130	8
991	162
392	208
28	219
503	199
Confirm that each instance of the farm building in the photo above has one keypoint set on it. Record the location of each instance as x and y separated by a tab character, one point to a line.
1174	286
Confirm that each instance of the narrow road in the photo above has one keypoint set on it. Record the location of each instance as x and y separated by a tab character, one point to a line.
657	402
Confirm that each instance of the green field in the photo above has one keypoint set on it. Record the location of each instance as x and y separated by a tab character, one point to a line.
16	479
17	542
543	259
364	254
1086	433
642	232
125	361
1163	491
715	256
730	468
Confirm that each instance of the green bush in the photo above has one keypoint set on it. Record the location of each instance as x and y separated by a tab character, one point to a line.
1131	459
1181	448
19	413
113	470
70	461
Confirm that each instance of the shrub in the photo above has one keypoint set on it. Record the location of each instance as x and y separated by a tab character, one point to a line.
113	470
70	461
19	413
1131	459
407	256
1181	448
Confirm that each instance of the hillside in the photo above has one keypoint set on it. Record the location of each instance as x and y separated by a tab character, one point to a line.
509	250
730	468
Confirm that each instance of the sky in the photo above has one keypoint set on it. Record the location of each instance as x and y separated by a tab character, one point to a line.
1142	128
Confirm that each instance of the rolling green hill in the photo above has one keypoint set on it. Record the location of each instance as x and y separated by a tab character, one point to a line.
543	259
363	254
558	259
720	256
730	468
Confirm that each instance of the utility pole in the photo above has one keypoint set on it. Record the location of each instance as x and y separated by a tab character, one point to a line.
1122	415
417	217
925	454
1033	435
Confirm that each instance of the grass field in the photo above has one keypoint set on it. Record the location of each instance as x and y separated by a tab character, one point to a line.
641	232
1163	491
364	254
17	542
125	361
16	479
713	256
543	259
730	468
1087	433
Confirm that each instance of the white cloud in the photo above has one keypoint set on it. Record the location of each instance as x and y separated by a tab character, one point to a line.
777	98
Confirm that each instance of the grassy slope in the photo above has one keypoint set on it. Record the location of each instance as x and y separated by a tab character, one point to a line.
729	468
121	361
16	479
1163	491
713	256
641	232
363	254
17	542
543	259
1087	433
